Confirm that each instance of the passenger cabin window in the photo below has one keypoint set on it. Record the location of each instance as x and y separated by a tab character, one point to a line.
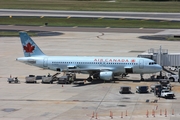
152	63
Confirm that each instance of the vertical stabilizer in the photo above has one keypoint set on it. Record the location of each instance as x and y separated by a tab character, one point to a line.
29	46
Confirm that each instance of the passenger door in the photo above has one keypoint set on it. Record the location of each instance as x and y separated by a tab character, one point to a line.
141	63
45	62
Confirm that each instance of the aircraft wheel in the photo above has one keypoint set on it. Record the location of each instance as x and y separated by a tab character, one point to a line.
89	79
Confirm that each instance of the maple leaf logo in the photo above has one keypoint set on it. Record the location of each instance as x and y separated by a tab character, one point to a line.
133	60
29	48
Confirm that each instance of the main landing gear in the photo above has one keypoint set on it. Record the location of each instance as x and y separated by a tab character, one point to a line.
142	79
89	79
92	76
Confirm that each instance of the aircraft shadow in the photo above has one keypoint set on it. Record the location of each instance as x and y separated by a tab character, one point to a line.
80	82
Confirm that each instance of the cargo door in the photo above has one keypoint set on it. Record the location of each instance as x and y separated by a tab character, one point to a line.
128	69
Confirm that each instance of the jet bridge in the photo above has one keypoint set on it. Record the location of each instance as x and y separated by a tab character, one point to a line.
163	58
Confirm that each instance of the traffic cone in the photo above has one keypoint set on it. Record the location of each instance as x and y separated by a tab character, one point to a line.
147	114
165	113
160	112
126	112
154	112
96	116
111	115
93	115
172	111
121	114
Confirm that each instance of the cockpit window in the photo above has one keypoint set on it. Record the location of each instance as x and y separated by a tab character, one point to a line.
152	63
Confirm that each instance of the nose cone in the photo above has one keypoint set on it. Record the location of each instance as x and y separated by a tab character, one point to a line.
158	68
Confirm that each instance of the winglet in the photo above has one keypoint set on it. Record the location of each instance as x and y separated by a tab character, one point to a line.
29	46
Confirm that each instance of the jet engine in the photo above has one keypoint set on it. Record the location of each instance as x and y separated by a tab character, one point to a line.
106	75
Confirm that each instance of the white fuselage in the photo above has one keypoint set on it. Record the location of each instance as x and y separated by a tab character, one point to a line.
99	67
83	63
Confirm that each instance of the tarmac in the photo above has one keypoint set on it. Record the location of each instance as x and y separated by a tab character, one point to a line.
98	100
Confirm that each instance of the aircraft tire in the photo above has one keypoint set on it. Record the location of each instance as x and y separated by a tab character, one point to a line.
89	79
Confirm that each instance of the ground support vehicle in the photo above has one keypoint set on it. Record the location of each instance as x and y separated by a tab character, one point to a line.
163	84
142	89
156	86
161	91
68	78
63	80
13	80
125	90
72	76
172	78
174	68
166	93
31	79
50	79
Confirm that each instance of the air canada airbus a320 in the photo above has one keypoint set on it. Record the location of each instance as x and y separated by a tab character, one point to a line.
104	68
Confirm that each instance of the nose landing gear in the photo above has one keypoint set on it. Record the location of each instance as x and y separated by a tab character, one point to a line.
142	79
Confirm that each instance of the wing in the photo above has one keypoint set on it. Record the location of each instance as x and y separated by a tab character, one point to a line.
89	70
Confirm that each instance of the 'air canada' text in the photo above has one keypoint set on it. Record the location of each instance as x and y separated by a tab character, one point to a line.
114	60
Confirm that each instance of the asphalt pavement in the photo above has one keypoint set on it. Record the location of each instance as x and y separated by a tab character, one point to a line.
92	14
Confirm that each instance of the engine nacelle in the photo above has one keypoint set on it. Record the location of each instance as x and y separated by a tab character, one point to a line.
106	75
